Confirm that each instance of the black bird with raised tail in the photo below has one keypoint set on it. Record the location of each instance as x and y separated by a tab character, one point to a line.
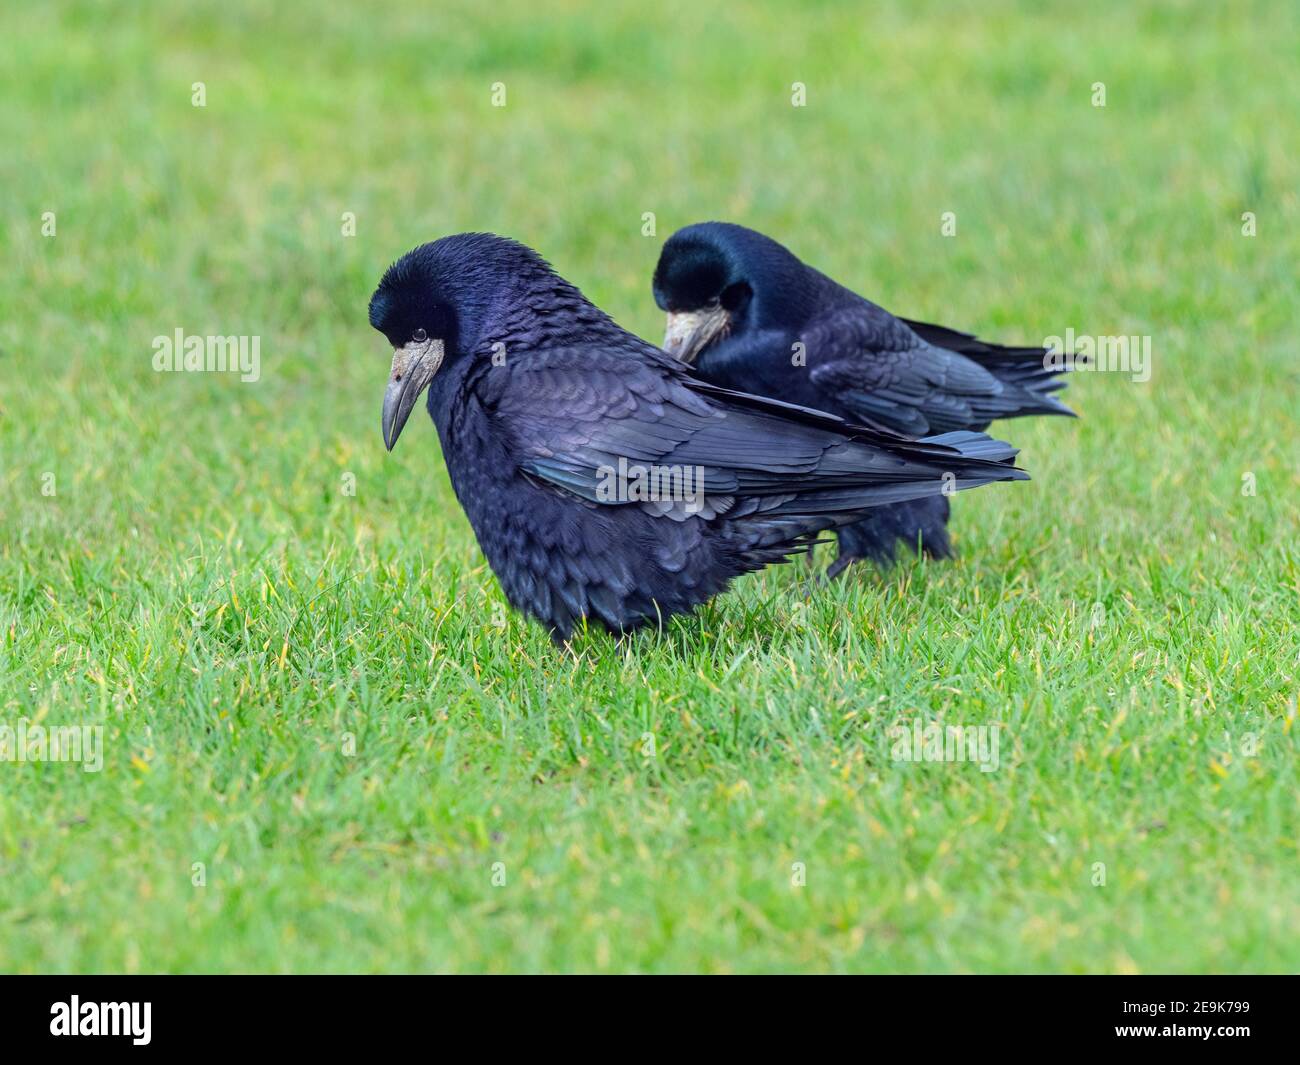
557	425
747	314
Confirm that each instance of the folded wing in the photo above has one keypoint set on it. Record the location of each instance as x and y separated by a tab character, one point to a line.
918	379
577	416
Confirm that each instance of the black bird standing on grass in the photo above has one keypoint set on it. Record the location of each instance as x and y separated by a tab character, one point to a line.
750	316
542	403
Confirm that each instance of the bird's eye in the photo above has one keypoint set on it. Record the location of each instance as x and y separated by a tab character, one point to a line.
735	296
420	336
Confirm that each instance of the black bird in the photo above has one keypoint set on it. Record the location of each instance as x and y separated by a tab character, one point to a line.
750	316
546	410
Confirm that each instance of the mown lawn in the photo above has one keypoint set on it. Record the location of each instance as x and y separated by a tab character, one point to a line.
327	746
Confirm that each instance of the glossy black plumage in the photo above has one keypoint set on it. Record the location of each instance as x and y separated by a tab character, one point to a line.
790	332
539	394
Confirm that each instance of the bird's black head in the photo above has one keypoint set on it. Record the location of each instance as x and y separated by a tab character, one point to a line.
716	279
436	305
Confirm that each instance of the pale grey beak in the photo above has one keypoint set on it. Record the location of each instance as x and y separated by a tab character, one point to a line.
413	368
690	332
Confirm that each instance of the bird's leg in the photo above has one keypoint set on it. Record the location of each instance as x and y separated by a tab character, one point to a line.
841	564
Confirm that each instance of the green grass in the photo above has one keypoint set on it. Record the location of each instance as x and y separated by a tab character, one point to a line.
202	586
